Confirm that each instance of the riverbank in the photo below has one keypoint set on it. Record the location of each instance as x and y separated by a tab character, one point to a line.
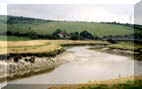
122	48
121	83
91	66
45	53
45	59
40	46
11	70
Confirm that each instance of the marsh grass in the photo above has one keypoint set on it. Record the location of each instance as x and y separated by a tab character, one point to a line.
131	84
124	46
40	46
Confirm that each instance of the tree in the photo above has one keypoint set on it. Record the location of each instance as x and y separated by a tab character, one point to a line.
75	36
56	33
86	35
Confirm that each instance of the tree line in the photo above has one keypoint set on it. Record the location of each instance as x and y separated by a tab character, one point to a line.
57	34
62	34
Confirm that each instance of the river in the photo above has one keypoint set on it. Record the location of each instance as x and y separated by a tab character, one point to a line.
85	65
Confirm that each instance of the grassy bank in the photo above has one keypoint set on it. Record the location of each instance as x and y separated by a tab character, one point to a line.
128	85
124	48
40	46
137	84
121	83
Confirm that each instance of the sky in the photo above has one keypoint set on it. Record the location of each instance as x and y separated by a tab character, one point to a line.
98	13
77	10
70	1
138	13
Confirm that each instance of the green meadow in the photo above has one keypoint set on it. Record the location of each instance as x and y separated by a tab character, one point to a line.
97	29
24	25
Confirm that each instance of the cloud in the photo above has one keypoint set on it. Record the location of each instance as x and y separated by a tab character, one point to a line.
3	9
70	1
99	12
138	13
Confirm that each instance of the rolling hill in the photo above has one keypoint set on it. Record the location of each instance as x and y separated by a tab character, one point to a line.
26	25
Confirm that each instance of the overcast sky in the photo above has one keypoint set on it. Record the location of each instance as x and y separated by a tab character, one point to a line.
119	13
71	1
82	10
138	13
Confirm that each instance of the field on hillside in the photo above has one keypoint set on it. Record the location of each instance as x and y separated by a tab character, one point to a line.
97	29
14	38
47	27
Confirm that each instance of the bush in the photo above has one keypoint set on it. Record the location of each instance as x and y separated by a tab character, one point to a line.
86	35
55	34
75	36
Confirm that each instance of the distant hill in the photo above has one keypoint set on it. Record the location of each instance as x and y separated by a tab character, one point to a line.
25	25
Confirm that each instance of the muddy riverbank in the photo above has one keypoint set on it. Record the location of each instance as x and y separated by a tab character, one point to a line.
12	68
45	57
133	52
86	65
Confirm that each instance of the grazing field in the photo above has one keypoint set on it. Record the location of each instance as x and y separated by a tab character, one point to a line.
97	29
25	25
14	38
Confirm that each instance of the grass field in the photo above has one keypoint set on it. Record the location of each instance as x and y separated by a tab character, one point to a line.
97	29
14	38
47	27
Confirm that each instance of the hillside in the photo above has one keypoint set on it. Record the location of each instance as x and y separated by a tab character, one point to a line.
25	25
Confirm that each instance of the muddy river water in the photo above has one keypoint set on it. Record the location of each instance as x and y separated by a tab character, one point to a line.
85	65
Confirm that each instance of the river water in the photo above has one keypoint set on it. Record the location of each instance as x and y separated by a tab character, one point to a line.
85	65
